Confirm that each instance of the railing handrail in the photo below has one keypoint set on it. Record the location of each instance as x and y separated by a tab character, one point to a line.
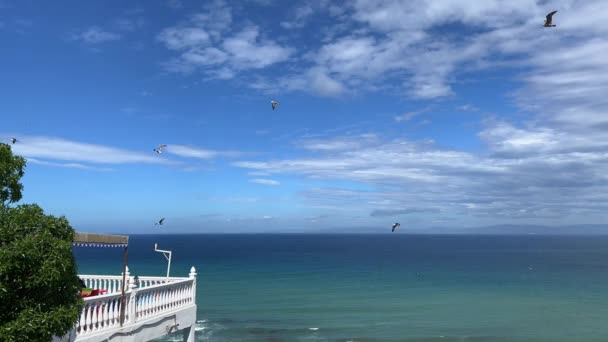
102	297
100	276
112	277
165	285
161	278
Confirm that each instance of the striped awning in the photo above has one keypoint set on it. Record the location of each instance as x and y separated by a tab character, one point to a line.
100	240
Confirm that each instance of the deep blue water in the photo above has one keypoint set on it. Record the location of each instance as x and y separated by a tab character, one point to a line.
392	287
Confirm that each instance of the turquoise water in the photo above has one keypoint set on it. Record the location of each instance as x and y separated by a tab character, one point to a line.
392	287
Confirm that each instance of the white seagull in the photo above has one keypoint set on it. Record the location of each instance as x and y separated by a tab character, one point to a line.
274	104
396	226
159	150
160	223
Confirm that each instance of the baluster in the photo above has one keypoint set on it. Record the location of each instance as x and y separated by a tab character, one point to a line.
149	303
144	305
155	301
110	312
106	313
126	310
82	322
95	318
116	311
88	318
144	299
101	319
138	306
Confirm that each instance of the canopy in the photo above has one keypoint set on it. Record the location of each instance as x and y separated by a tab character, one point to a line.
100	240
105	240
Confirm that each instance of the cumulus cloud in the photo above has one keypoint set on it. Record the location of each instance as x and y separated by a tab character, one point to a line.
209	43
520	184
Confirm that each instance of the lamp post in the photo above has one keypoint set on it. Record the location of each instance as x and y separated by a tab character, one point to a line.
165	253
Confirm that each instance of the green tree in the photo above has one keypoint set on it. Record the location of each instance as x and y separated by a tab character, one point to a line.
38	279
11	171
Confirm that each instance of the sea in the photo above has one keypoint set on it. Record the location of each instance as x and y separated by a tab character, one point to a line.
381	288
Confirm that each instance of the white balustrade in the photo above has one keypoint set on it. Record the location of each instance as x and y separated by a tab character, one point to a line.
154	296
109	283
157	299
99	312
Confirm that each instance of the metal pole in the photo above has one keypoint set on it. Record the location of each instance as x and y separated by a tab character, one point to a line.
165	255
169	265
122	295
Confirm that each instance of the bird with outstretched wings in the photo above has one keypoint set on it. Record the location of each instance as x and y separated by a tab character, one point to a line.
159	150
549	20
396	226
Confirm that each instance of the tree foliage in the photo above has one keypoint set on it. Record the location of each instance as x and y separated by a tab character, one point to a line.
11	171
38	279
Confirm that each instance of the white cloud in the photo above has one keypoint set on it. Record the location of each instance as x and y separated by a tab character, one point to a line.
410	115
199	153
248	51
531	173
96	35
391	42
323	84
177	38
190	152
299	17
67	150
468	108
207	42
264	181
67	165
338	143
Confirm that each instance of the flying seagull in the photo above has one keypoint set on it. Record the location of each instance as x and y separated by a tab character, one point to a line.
395	226
160	223
549	20
13	140
274	104
159	150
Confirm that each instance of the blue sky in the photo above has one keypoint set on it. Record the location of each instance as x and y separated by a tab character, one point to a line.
429	113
